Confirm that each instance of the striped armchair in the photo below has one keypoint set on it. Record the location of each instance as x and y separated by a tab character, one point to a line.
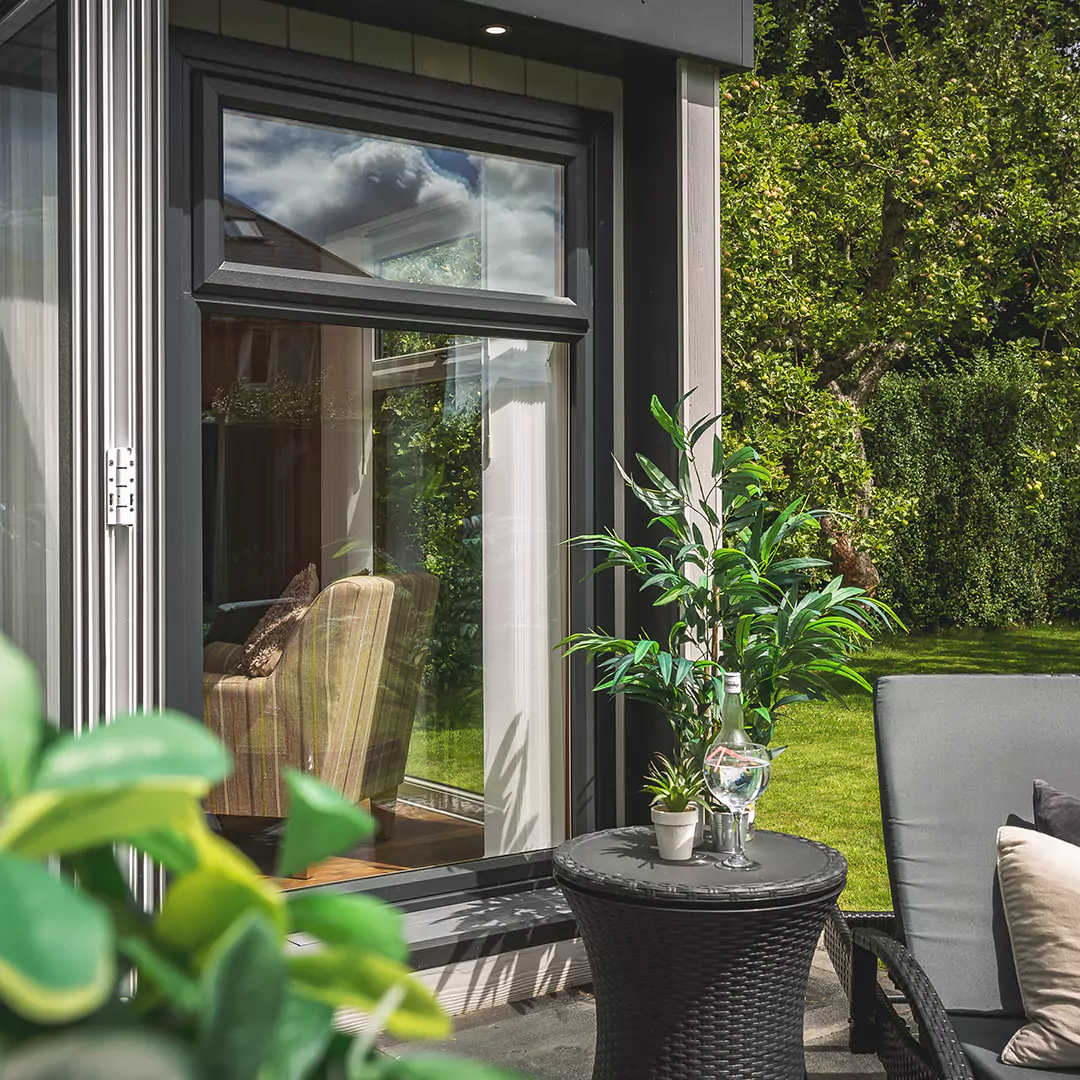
340	704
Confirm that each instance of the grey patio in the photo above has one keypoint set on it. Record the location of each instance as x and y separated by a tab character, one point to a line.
551	1038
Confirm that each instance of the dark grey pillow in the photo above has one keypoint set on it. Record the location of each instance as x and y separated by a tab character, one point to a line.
1056	814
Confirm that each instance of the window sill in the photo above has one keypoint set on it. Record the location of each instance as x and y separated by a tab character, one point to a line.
459	927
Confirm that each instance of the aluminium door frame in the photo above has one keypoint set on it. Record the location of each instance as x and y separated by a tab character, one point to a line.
113	294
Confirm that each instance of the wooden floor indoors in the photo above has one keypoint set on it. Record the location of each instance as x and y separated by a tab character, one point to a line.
421	837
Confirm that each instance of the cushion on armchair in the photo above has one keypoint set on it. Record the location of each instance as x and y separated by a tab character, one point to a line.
266	643
1040	890
219	656
1056	813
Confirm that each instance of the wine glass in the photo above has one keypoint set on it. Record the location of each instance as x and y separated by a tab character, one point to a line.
737	776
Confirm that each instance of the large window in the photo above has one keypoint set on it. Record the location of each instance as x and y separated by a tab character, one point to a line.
30	412
413	484
395	311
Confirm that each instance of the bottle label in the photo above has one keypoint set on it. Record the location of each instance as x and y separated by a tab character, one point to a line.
732	682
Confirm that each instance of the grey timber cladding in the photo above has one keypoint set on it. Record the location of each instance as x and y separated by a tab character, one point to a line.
270	23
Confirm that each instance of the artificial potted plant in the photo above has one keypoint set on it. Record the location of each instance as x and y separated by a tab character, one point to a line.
747	597
677	790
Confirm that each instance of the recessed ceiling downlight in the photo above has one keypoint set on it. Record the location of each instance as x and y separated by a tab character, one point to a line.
496	29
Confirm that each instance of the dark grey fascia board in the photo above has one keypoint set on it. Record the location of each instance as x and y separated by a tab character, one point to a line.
488	926
594	35
719	31
249	290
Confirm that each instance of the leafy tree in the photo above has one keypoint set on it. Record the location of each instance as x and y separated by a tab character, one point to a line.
899	190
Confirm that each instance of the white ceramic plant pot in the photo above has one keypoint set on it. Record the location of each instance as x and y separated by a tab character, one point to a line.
675	833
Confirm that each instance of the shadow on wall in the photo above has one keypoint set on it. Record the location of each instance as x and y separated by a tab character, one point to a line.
506	778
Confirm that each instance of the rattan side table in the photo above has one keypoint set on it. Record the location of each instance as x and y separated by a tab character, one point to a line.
699	972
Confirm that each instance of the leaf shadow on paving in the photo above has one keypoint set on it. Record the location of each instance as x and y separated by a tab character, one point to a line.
551	1037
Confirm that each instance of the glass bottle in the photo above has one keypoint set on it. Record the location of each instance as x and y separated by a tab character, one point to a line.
732	732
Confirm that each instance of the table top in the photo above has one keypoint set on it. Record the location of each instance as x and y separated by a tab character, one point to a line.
625	863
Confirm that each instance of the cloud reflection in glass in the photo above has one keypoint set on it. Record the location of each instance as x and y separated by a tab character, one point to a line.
341	201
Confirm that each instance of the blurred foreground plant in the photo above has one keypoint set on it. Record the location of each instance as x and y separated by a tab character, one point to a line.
92	986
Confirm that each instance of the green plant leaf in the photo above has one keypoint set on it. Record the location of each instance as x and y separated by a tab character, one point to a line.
663	661
304	1030
201	906
321	823
144	750
243	990
342	919
667	422
20	720
187	842
57	960
138	774
341	976
658	477
61	822
168	846
99	1054
100	877
168	980
435	1067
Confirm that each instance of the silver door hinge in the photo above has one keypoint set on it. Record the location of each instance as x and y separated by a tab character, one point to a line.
120	486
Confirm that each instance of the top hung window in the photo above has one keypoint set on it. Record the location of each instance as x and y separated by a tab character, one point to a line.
305	196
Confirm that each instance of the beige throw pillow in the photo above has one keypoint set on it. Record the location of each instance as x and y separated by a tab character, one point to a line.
1040	889
266	643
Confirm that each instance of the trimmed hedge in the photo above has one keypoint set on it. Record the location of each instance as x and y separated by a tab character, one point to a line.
994	536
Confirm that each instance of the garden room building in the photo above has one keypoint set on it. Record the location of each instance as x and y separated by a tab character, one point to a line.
320	325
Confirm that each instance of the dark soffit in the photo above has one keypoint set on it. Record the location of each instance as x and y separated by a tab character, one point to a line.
595	35
713	30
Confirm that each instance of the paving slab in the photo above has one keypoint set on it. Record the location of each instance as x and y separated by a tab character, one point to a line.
551	1038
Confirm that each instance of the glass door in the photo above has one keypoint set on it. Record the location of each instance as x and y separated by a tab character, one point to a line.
382	583
30	412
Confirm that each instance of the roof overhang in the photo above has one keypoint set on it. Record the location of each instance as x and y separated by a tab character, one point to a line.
720	31
595	35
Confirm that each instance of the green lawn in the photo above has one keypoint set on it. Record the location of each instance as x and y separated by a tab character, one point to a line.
452	756
825	785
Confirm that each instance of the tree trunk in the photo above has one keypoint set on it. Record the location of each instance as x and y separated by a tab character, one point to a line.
857	567
876	358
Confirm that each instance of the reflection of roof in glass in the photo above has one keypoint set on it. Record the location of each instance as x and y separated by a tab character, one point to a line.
243	224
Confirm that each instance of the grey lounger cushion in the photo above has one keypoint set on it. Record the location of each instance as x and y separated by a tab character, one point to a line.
984	1037
957	755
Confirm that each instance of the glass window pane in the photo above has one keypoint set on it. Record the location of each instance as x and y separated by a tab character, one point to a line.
29	348
420	478
307	197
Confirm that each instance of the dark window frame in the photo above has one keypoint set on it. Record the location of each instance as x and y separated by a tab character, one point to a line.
208	71
350	96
